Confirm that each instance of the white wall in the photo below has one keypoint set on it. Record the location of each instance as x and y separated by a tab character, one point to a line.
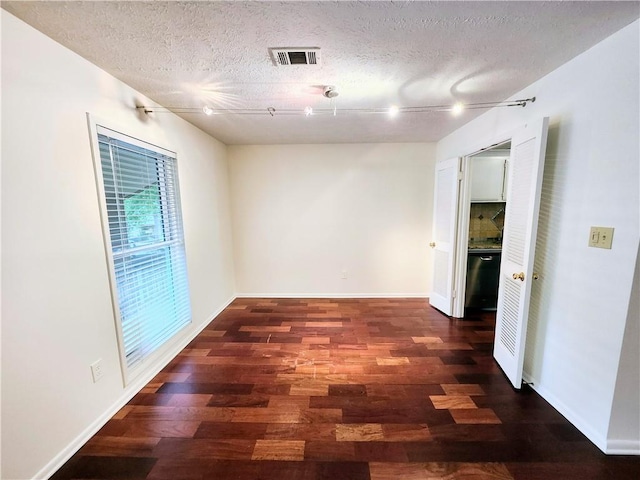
56	305
579	307
304	213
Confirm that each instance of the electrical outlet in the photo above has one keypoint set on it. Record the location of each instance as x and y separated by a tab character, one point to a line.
96	370
344	274
600	237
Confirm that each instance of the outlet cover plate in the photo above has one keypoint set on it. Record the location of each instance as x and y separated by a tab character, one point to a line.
601	237
97	371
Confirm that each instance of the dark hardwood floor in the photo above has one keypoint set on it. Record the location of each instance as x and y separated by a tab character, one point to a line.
375	389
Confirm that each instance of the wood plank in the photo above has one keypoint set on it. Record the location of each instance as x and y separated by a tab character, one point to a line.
282	450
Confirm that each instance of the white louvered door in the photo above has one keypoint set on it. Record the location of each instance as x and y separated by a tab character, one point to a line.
445	215
518	247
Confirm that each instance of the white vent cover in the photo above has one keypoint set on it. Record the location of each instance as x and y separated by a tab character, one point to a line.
295	56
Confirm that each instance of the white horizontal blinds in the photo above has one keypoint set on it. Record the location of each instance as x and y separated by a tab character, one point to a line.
147	242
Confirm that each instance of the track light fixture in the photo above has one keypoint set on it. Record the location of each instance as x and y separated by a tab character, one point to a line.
393	111
330	92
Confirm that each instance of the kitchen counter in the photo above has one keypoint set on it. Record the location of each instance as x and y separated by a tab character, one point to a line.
485	246
484	243
495	249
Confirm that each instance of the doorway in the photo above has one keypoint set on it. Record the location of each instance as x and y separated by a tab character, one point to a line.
487	203
523	187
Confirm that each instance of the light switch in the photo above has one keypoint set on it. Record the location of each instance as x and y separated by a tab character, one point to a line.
601	237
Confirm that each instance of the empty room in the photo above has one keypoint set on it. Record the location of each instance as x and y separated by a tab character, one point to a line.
320	240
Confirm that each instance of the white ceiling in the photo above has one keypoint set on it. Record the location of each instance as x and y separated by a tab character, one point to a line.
188	54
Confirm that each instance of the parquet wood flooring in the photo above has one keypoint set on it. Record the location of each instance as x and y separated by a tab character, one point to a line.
366	389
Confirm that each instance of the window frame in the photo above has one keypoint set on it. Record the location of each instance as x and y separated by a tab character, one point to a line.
164	352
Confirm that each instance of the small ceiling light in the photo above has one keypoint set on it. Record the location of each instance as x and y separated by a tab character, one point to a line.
393	111
308	111
457	109
207	110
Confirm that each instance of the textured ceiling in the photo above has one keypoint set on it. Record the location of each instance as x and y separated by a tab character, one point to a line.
188	54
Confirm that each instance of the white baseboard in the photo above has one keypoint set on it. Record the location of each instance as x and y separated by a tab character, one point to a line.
595	437
129	392
623	447
608	446
332	295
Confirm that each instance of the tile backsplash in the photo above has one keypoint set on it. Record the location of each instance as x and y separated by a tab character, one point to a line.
486	222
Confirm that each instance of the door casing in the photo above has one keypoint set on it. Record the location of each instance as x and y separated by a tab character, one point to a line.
464	208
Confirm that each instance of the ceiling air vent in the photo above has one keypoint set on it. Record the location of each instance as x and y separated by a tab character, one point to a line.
295	56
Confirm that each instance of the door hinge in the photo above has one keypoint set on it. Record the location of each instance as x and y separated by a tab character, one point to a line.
459	175
453	294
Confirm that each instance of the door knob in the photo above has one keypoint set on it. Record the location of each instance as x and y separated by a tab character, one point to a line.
536	276
519	276
432	244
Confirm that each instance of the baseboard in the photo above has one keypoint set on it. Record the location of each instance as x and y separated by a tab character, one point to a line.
332	295
596	438
623	447
129	392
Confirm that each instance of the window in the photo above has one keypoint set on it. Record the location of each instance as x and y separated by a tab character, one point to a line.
149	275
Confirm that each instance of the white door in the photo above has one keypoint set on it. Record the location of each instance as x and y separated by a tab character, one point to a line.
518	247
445	215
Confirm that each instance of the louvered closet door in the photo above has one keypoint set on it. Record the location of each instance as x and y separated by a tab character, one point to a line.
518	247
445	215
